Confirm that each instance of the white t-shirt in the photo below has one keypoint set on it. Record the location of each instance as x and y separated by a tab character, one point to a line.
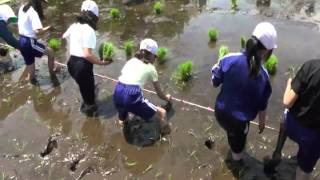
28	22
80	36
136	72
6	12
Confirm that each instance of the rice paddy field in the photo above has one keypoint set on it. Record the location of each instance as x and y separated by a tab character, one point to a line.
97	148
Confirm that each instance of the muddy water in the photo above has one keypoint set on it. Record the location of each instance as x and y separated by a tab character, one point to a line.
30	115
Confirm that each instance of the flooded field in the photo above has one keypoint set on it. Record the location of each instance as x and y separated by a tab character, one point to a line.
30	115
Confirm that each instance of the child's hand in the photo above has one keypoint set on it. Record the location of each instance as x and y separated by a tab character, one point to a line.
104	63
169	97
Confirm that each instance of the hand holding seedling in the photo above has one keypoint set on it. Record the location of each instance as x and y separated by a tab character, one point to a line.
169	97
107	62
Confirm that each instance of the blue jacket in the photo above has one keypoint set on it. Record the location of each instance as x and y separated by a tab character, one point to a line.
241	96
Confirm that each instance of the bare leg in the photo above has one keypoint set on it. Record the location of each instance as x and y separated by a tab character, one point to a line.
31	69
301	175
51	64
162	115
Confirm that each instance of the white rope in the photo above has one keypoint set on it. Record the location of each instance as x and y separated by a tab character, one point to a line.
173	98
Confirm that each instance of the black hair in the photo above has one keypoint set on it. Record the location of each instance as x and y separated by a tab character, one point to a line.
143	55
88	17
37	6
253	46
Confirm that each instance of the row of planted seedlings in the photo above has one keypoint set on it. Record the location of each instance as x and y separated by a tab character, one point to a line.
270	65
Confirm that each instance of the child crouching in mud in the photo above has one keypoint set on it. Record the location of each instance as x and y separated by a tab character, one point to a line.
128	96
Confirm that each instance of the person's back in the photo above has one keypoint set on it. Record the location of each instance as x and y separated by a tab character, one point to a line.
137	72
306	109
241	94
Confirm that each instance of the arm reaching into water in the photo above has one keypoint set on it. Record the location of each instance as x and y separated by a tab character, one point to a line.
160	93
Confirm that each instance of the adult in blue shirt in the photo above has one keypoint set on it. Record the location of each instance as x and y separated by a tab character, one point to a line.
245	87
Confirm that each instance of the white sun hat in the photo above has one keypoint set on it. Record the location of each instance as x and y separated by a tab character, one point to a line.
90	5
149	45
267	35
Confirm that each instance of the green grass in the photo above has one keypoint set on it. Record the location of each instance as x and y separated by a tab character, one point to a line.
213	34
234	4
162	55
106	51
128	47
54	44
223	50
184	72
271	64
243	42
114	13
158	7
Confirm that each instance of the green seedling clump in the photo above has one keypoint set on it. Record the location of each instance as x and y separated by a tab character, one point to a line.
128	47
234	4
213	34
106	51
162	55
114	13
223	50
184	71
54	44
243	42
158	7
271	64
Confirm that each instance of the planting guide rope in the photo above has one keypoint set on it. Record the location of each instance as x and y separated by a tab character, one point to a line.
173	98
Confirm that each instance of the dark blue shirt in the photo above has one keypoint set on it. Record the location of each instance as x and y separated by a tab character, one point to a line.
241	96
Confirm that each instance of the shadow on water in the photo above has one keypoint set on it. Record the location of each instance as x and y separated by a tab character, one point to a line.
252	169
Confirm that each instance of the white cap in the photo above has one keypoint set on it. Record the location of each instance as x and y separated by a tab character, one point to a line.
90	5
267	35
149	45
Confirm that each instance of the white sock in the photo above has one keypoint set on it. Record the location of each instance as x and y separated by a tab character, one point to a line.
236	156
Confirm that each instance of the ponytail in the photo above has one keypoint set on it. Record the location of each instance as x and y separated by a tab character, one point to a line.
253	46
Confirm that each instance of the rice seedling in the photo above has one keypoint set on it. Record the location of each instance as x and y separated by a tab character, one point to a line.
54	44
106	51
184	72
213	34
271	64
158	7
243	42
223	50
234	4
128	47
162	55
114	13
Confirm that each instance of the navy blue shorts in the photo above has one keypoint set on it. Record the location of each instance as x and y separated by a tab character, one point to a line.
30	49
308	141
129	98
